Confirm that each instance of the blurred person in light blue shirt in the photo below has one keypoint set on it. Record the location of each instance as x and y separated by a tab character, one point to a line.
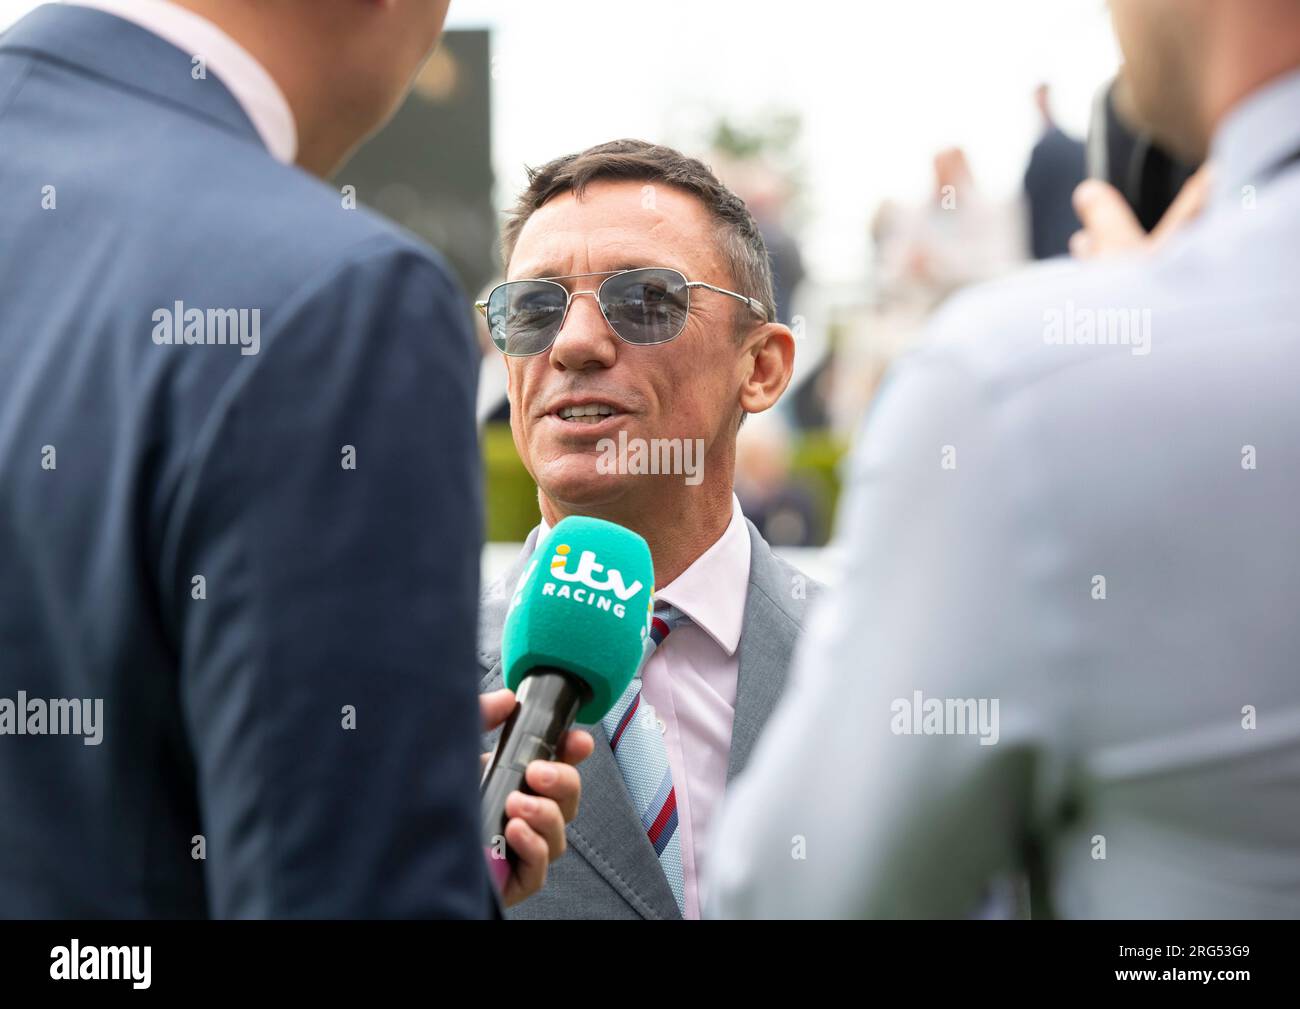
1066	636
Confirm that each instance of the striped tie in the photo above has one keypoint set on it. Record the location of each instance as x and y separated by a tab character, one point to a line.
638	745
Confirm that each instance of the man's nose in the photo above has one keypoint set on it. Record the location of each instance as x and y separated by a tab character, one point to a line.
585	340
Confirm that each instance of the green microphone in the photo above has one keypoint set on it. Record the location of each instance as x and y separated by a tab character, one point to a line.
573	640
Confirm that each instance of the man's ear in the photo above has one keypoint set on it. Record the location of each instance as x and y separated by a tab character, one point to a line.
769	355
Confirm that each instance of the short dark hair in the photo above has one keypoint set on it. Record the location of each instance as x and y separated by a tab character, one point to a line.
739	239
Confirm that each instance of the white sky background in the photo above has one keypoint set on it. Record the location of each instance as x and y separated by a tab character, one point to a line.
880	84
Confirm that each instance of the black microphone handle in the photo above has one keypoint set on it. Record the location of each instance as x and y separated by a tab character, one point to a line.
548	701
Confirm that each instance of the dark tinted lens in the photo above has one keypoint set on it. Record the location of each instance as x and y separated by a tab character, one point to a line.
525	315
645	306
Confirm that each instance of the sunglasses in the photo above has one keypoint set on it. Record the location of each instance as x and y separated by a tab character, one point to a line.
643	307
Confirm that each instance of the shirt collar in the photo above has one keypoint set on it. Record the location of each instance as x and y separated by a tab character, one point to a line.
713	590
1261	131
251	84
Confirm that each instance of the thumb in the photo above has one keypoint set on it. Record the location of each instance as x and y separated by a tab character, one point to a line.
495	707
1109	223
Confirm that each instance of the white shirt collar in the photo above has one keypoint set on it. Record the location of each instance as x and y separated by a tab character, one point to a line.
1261	131
713	589
251	84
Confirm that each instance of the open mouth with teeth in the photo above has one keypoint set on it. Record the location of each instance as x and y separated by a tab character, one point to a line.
590	413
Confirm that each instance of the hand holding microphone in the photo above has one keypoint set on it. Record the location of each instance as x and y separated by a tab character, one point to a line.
535	833
573	639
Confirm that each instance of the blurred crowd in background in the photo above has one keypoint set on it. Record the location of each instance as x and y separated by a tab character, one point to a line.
920	254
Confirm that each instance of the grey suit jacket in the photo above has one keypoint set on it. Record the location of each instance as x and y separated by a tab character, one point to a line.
610	869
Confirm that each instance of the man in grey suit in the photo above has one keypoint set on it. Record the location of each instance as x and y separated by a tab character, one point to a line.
1067	636
636	326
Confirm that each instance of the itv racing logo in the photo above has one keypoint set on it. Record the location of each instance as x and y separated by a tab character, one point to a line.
584	584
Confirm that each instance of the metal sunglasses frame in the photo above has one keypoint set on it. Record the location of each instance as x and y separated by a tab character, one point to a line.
754	304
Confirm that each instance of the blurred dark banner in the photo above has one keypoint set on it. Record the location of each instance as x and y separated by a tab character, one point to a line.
430	168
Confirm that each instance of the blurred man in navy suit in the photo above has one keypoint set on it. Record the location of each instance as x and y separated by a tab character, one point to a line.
1057	165
239	504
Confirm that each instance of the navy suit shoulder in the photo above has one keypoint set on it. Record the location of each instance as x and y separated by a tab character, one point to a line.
259	554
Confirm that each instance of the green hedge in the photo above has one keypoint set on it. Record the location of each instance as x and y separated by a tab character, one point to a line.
510	494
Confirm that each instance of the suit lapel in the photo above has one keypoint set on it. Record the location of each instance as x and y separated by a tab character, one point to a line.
607	832
767	639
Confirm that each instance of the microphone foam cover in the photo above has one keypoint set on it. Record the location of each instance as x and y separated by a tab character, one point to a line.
582	605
